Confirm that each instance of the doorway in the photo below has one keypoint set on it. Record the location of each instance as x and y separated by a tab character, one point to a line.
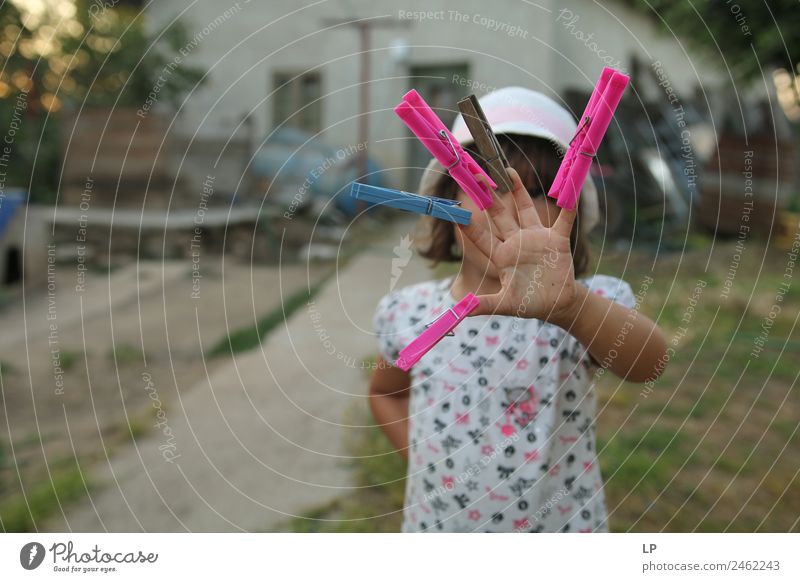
12	268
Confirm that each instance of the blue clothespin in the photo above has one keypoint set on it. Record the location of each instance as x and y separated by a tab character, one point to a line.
440	208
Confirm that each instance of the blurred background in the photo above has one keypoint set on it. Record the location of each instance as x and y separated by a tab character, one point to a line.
187	288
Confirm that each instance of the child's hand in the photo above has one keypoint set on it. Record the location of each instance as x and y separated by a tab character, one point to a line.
534	262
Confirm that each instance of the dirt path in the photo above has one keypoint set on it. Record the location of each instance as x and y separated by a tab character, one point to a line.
75	360
261	438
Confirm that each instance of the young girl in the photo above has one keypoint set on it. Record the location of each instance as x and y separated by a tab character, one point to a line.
497	421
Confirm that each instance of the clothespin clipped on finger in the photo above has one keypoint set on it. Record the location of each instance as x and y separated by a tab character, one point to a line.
433	134
441	208
487	143
583	147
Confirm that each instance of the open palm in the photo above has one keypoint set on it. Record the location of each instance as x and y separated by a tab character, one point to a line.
534	262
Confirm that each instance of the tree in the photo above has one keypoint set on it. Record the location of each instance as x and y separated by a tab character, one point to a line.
754	36
76	54
118	61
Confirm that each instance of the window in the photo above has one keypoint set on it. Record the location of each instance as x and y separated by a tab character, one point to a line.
296	101
437	84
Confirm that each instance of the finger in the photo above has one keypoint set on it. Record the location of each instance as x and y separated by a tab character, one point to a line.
489	304
484	240
528	216
564	221
502	216
461	239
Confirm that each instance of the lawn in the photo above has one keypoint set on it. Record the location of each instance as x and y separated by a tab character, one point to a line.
710	447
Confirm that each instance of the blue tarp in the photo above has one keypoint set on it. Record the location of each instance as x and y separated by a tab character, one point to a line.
303	167
9	203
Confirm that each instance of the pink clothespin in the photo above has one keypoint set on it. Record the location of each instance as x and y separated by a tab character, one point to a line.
440	327
593	126
433	134
569	156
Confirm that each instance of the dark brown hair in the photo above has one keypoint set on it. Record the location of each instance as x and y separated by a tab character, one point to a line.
536	160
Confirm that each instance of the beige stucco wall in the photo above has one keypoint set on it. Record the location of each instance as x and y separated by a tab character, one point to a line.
243	43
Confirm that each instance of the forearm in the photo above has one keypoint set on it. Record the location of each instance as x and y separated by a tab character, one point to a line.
391	414
620	339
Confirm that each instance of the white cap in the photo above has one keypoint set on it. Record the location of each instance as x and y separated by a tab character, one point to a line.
521	111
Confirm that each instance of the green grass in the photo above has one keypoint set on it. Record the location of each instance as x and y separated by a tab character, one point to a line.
247	338
788	428
67	479
69	358
642	459
17	515
6	369
722	396
139	427
126	354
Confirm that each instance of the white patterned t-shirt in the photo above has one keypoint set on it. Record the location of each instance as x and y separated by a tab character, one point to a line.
501	419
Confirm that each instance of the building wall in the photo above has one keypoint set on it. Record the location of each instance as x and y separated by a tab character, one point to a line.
243	43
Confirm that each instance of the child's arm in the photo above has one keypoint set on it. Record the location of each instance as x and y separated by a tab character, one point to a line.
538	281
389	391
621	339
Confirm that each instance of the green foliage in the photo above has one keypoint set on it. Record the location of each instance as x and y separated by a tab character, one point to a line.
98	57
752	35
22	112
120	63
